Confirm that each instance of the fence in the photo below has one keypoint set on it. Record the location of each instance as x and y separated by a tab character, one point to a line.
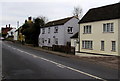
65	49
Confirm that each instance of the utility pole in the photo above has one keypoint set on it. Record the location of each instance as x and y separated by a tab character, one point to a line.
17	24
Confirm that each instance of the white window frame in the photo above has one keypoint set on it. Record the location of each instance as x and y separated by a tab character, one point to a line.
70	30
56	41
56	29
108	27
87	29
87	44
48	40
102	45
113	46
43	40
48	29
43	30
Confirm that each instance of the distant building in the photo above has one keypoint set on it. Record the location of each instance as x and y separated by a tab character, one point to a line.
58	32
100	30
5	30
11	33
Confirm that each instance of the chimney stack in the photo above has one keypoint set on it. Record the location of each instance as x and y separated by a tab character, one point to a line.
29	18
6	26
9	25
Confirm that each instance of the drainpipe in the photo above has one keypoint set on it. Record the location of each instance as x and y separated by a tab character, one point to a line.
79	38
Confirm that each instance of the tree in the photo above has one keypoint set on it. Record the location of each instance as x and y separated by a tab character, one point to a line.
43	18
31	29
77	11
37	24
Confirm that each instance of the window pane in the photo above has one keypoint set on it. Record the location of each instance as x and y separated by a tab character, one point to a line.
89	29
108	27
102	45
111	27
82	44
84	29
113	45
104	27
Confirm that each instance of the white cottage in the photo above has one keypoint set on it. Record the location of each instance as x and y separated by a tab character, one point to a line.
58	32
100	30
11	32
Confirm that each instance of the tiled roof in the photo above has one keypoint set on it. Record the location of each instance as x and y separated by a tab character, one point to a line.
102	13
58	22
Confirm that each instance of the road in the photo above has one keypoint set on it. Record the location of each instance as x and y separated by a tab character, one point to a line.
21	62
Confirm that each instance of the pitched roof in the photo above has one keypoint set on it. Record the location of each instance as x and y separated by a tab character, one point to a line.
102	13
5	30
58	22
75	35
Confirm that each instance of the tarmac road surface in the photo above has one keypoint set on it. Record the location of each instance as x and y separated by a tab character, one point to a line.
21	62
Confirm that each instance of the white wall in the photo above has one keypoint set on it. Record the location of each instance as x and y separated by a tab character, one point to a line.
62	34
75	44
119	37
71	23
15	35
97	36
51	35
9	32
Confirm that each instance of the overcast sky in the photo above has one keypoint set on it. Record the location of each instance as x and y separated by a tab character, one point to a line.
12	11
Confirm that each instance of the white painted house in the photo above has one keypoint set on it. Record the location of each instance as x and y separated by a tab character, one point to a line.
100	30
58	32
11	32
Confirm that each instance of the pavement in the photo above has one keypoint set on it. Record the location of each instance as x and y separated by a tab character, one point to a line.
88	55
24	62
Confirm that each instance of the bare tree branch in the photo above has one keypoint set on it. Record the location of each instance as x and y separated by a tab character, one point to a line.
77	11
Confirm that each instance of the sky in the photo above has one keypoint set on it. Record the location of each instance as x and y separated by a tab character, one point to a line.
12	11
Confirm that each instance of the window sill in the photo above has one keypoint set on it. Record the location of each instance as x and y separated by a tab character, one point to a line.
108	32
87	33
88	48
113	50
102	50
70	33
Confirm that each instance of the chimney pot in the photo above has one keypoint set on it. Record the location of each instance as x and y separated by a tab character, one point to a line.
29	18
9	25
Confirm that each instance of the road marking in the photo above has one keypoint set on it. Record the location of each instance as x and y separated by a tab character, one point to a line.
61	65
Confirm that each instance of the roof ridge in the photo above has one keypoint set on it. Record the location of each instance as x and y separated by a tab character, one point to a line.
104	6
60	19
58	22
102	13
